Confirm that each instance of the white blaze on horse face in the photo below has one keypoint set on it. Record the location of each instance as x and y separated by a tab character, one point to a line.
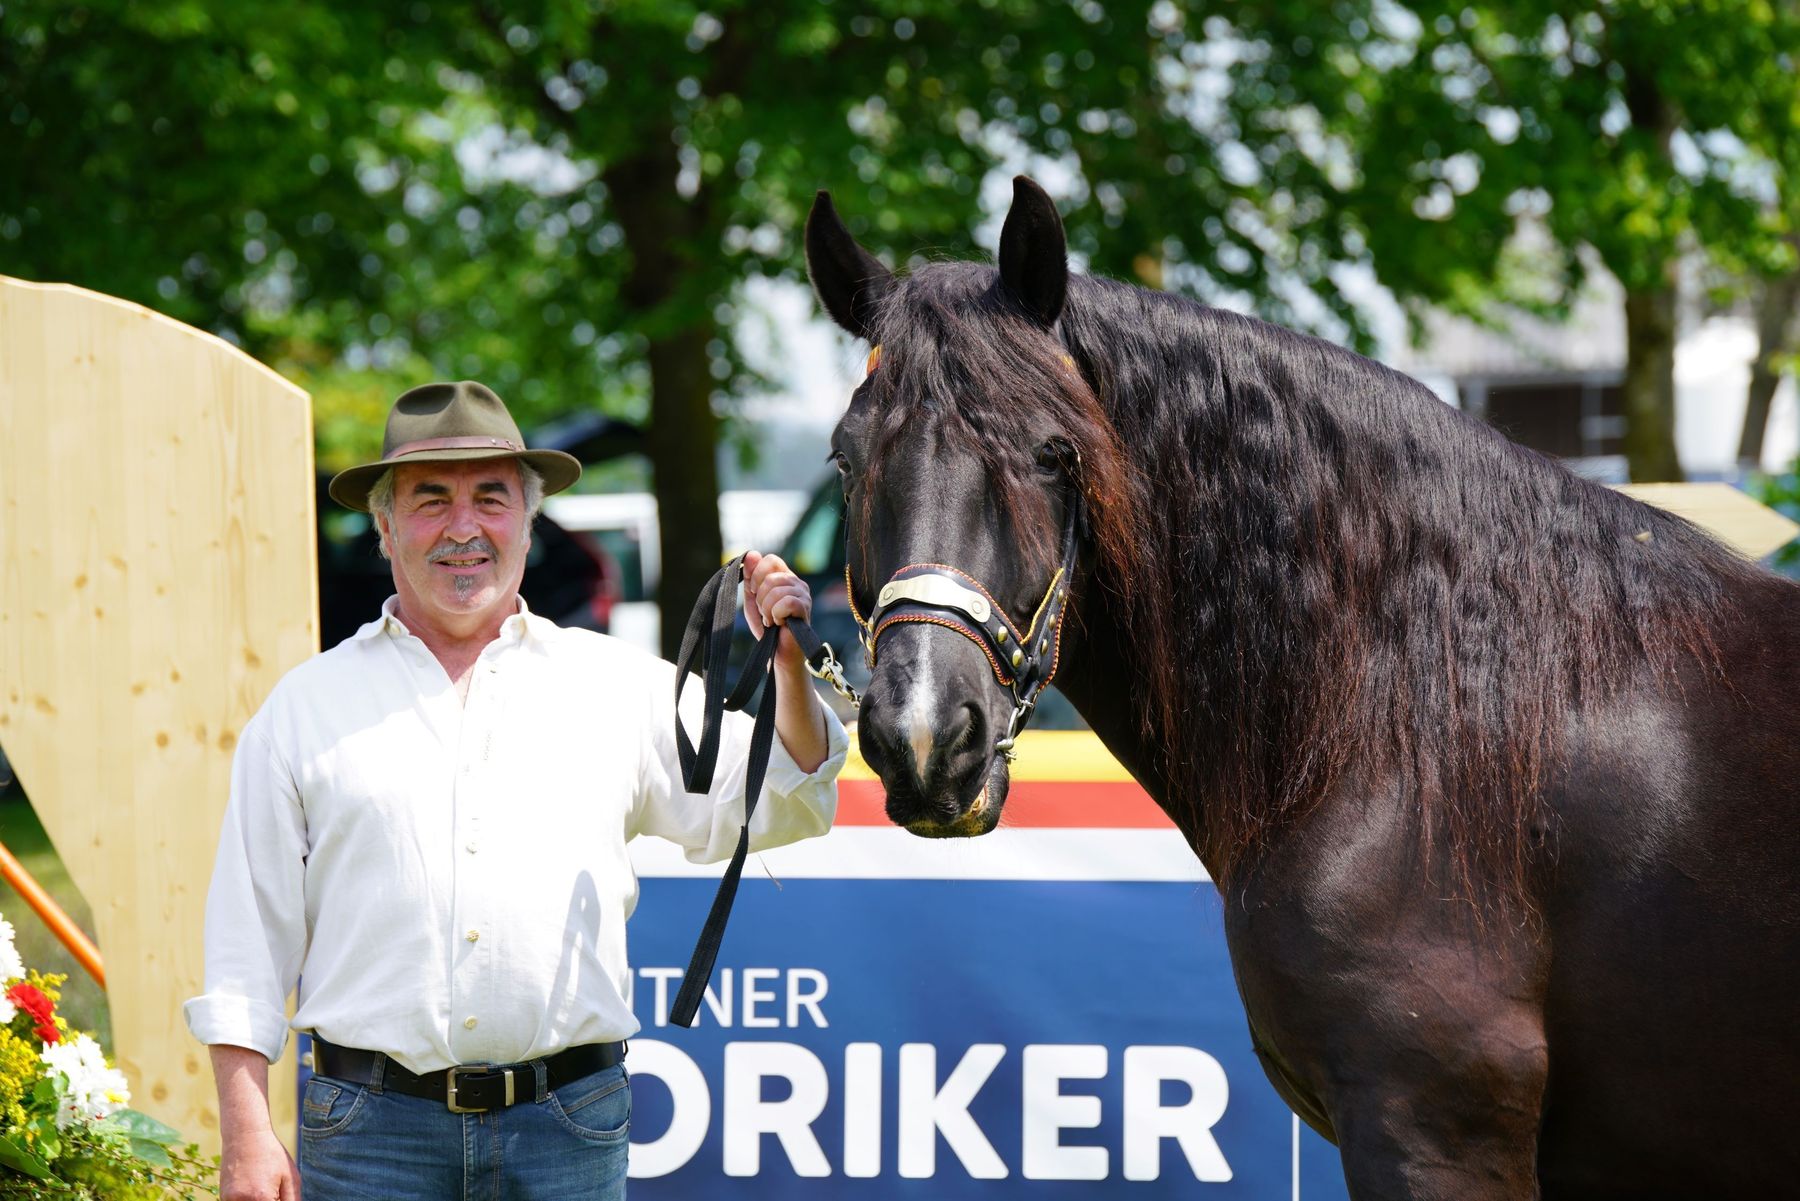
918	714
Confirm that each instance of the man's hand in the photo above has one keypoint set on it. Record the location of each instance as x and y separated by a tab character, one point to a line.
772	595
256	1167
253	1165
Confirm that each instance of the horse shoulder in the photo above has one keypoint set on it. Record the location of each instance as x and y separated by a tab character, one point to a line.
1400	1021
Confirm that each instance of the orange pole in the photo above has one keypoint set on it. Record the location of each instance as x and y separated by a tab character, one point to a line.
61	925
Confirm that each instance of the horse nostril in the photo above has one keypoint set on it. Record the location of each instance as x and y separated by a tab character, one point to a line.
954	735
966	734
873	733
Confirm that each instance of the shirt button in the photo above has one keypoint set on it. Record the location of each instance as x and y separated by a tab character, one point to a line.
473	935
473	846
468	1023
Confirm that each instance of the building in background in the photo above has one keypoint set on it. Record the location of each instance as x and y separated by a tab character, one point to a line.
1555	386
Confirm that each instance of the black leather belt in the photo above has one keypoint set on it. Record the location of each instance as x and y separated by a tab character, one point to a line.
467	1088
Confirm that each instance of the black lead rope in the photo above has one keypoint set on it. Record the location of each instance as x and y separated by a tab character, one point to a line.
705	646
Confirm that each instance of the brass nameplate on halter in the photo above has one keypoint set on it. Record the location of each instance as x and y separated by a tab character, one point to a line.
935	590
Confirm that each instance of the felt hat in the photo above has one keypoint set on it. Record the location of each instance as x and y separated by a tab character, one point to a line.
451	422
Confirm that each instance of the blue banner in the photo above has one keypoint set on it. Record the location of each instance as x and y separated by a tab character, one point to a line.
992	1038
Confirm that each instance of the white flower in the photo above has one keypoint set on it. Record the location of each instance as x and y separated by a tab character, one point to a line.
94	1090
11	968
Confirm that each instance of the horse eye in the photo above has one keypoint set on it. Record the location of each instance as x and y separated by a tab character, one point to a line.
1052	454
843	464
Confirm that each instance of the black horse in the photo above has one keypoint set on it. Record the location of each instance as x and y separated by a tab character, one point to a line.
1497	770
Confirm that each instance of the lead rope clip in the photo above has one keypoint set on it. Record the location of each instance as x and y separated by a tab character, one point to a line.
832	672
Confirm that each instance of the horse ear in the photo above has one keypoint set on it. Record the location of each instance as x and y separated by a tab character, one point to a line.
850	281
1034	255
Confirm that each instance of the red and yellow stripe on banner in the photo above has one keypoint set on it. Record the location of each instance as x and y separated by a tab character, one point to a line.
1063	779
1072	814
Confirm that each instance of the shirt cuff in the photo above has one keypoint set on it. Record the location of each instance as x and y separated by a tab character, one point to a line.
784	777
222	1018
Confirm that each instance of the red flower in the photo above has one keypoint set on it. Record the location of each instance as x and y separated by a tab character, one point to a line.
42	1009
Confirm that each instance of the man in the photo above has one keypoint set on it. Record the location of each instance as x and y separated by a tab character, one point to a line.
427	832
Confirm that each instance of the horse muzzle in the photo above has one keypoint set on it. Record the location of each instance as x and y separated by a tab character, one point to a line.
928	730
981	814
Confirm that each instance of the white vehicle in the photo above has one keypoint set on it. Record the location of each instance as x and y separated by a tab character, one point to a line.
625	527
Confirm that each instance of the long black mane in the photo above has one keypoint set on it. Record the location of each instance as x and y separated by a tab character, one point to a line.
1335	568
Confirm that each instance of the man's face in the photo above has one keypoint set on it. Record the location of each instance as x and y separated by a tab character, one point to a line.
458	539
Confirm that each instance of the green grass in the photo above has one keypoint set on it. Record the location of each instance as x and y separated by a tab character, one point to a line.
83	1002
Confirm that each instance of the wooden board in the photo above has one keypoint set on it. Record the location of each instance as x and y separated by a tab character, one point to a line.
157	576
1737	520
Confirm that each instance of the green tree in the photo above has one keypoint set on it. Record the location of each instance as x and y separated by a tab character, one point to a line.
702	134
1623	126
564	197
195	158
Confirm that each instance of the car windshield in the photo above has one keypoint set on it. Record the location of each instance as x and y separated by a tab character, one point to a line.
816	547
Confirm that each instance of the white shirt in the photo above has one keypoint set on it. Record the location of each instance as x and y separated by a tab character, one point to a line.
448	881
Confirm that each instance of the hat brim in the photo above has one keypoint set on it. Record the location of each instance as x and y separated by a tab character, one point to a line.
350	488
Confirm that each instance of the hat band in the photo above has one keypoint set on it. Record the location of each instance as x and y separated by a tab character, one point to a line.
475	443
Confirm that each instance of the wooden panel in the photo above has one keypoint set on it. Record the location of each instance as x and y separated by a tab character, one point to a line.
1734	518
157	577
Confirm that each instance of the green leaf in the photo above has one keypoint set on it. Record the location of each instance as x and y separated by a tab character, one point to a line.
48	1140
141	1126
152	1153
15	1156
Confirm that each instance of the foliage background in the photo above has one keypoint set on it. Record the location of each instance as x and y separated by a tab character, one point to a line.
566	197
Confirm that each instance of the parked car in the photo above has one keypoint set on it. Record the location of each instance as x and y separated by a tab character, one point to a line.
624	526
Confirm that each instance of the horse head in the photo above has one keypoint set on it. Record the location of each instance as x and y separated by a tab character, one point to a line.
961	463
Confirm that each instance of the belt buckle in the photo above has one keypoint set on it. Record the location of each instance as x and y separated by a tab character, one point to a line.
450	1087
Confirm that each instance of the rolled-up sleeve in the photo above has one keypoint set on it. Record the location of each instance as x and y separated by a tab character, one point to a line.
255	907
795	804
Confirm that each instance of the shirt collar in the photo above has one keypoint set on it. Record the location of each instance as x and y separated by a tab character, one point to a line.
516	628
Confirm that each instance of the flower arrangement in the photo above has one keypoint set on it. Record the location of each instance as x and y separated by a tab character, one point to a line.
65	1130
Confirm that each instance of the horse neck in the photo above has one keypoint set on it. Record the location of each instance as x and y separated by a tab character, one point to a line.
1102	669
1340	566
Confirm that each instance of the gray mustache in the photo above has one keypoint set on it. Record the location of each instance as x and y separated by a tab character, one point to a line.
474	546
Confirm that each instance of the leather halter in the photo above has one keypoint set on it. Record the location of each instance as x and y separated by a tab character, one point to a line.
1023	661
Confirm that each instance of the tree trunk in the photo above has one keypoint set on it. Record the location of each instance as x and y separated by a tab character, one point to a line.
1650	384
1649	310
683	440
1774	321
663	230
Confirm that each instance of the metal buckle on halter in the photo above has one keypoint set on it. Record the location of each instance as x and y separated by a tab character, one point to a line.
832	672
472	1069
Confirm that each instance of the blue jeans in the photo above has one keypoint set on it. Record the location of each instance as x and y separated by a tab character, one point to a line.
362	1144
